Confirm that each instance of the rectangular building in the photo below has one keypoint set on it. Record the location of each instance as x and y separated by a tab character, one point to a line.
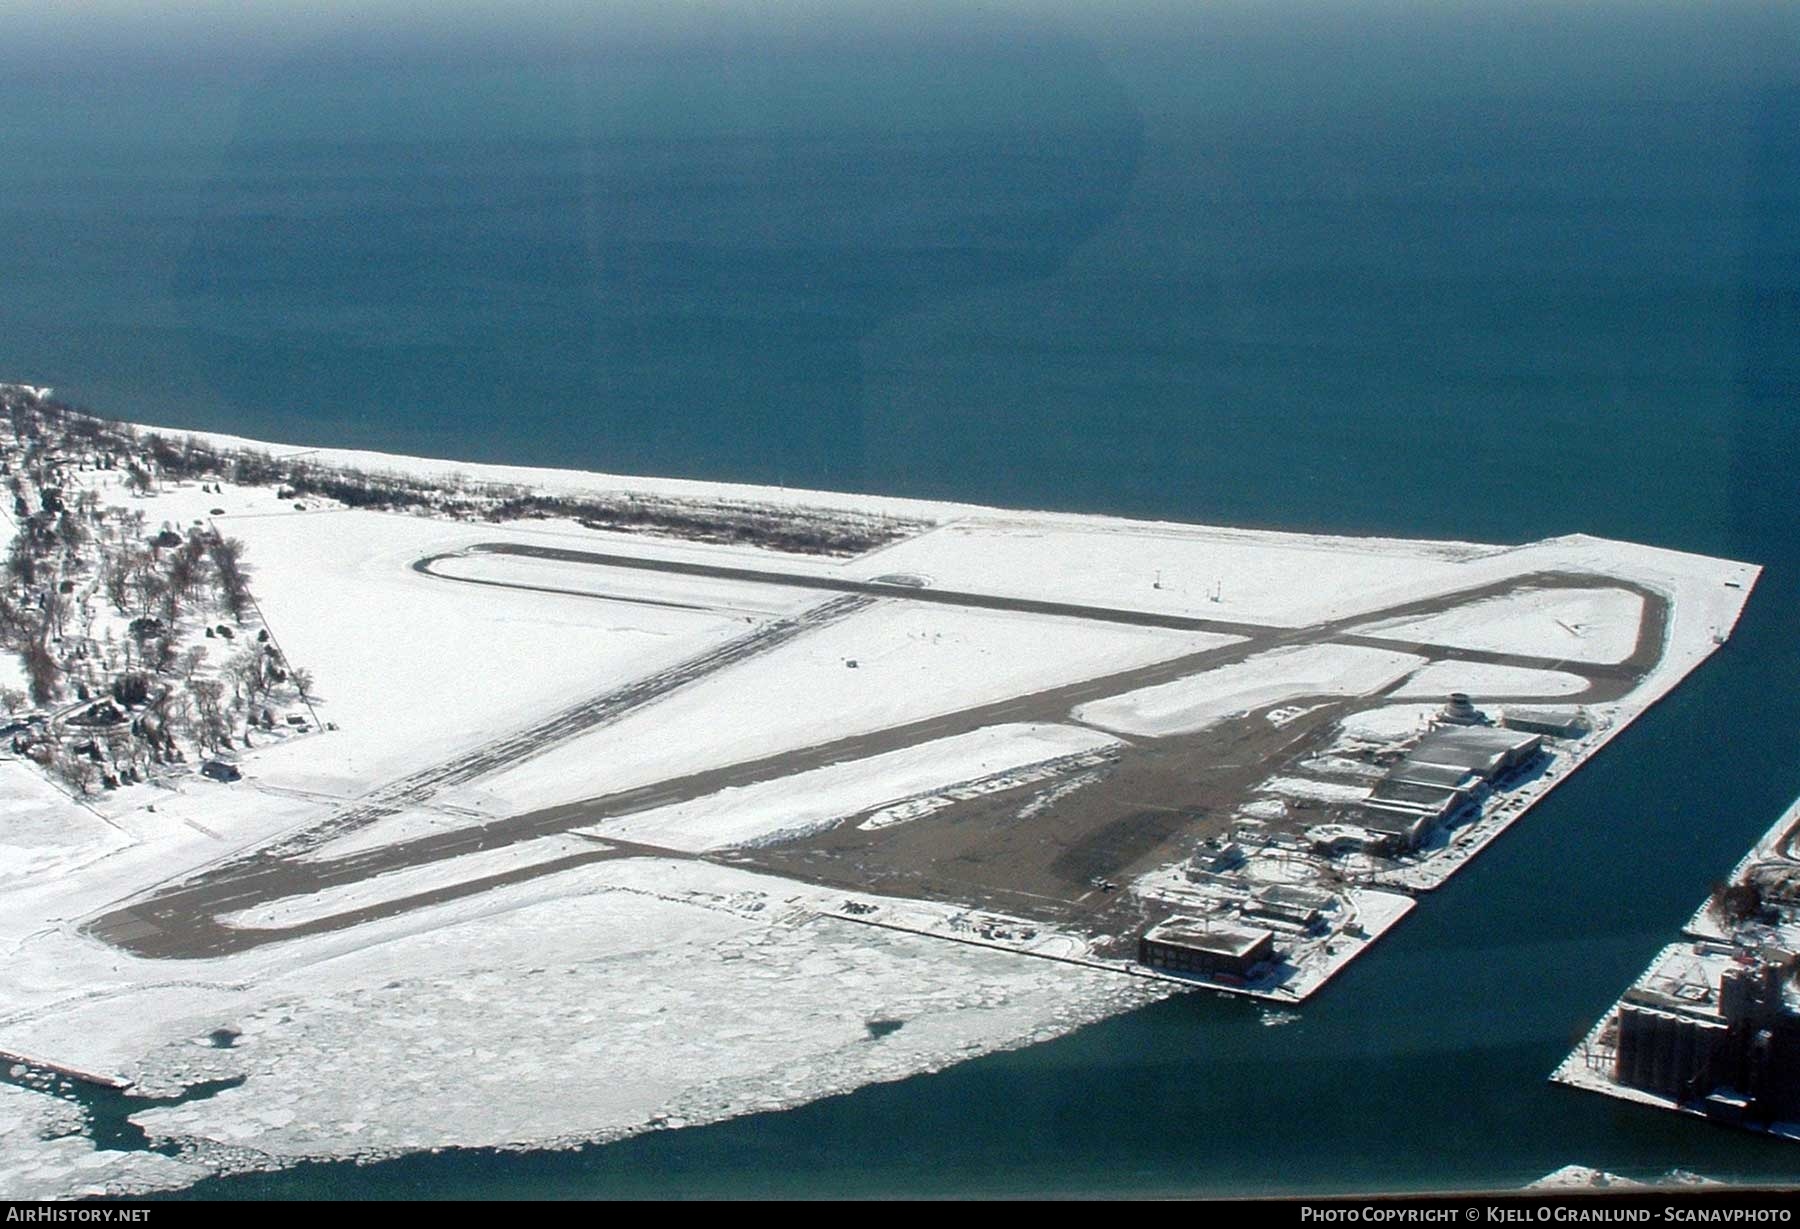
1486	752
1207	949
1556	722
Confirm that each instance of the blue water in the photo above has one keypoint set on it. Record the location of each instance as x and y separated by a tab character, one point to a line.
1476	271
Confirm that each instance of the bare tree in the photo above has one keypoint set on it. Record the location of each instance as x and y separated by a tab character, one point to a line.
70	532
184	572
211	728
57	608
43	673
115	579
249	672
233	573
168	606
302	678
21	563
150	586
15	624
170	714
76	770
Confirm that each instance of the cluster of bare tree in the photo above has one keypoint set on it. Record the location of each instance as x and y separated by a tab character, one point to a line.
139	693
803	531
147	457
227	555
172	574
28	621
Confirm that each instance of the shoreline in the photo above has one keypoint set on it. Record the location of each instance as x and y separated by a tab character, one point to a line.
327	573
1695	962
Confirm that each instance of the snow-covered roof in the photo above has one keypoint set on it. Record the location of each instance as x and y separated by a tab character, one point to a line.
1206	936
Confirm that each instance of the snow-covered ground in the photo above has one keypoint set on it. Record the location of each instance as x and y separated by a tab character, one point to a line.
621	995
1592	625
723	597
590	1003
795	805
1201	700
391	886
1440	678
12	670
42	831
1315	791
571	482
811	801
911	662
1205	572
1256	575
412	668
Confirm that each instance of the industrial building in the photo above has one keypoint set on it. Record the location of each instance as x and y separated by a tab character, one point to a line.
1337	840
1438	778
1214	856
1559	721
1206	949
1288	905
1414	771
1674	1053
1398	829
1435	802
1733	1050
1484	751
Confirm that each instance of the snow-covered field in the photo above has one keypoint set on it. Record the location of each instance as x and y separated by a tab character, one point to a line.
1201	700
412	668
722	597
1482	681
1261	577
911	662
1593	625
12	673
623	995
286	911
42	831
810	801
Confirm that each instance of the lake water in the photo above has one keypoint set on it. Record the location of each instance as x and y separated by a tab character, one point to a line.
1472	271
